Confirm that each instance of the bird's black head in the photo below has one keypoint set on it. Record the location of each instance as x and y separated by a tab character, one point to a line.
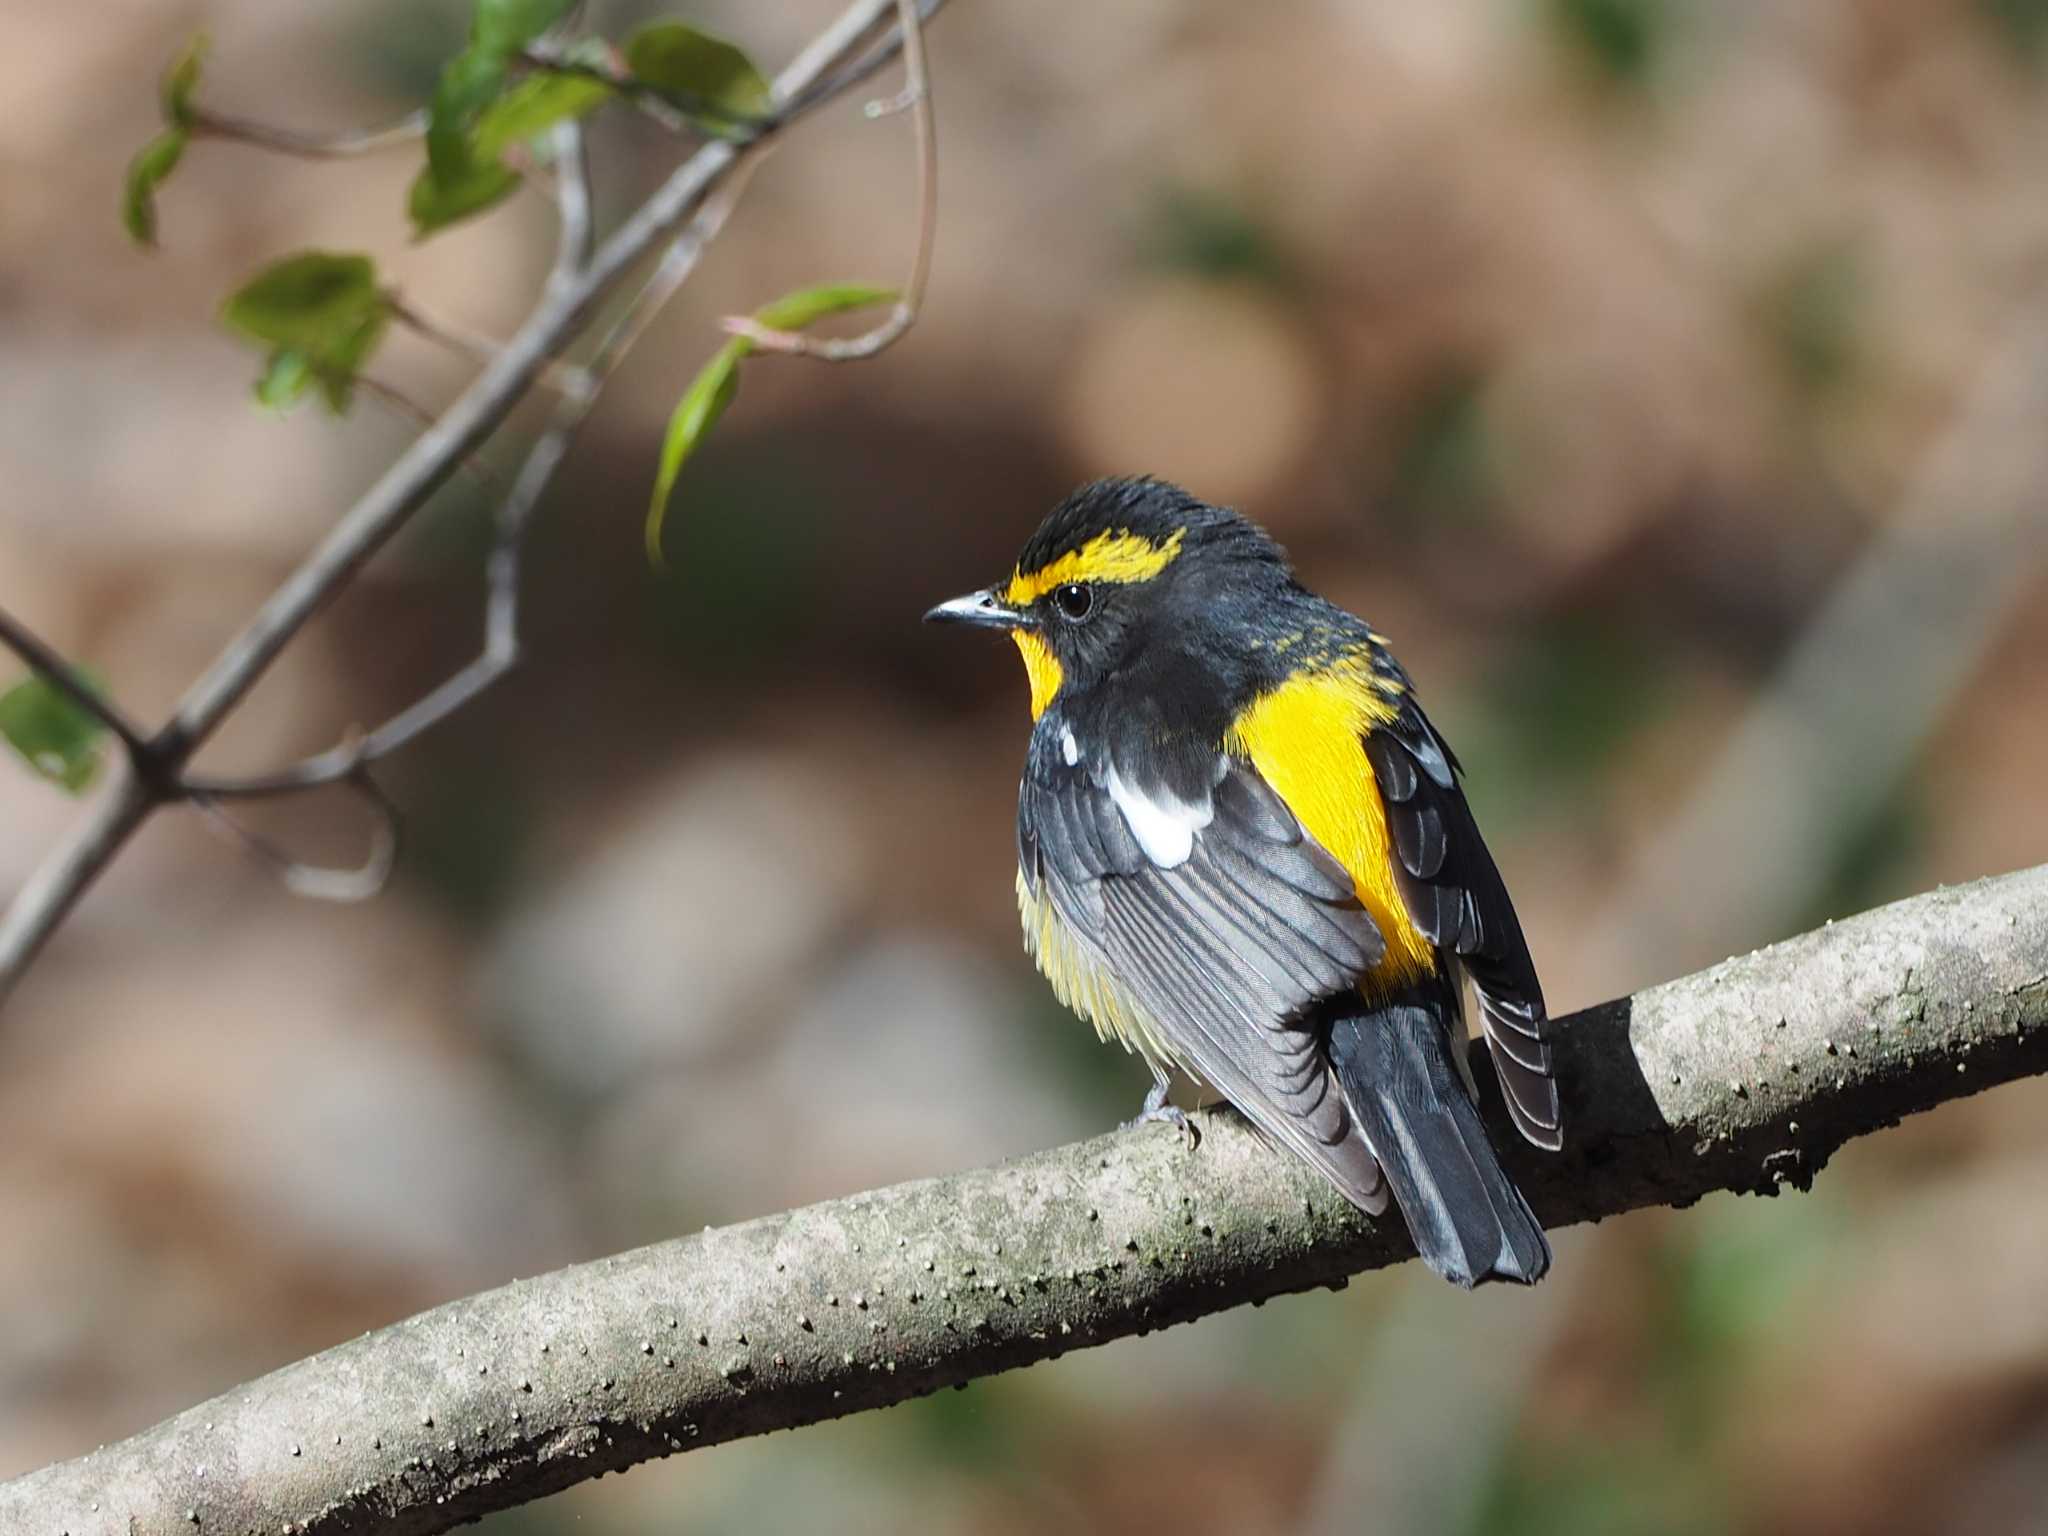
1123	570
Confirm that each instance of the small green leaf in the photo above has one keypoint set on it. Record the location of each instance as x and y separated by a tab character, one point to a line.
706	77
316	301
695	414
55	737
436	202
532	107
469	84
155	161
478	113
506	26
148	171
180	81
719	381
326	308
795	311
284	380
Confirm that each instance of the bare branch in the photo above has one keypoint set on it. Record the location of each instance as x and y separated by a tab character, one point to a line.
578	237
310	146
514	519
312	880
882	40
455	337
675	267
44	661
475	345
1744	1077
563	310
917	93
401	404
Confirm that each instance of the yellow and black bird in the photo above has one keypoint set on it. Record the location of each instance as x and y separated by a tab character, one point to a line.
1243	851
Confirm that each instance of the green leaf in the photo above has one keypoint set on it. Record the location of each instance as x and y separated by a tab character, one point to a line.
506	26
180	81
695	414
470	83
719	381
478	112
475	119
323	307
707	77
796	311
436	202
457	182
148	171
532	107
55	737
284	381
316	301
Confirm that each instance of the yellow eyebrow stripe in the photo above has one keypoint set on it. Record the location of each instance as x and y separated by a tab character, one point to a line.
1119	555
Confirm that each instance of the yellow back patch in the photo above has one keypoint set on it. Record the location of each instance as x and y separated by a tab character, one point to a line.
1115	556
1307	739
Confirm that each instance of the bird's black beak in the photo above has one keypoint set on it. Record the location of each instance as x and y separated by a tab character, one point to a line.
982	610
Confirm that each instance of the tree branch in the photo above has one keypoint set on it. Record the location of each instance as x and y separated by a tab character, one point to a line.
1744	1077
917	97
313	881
43	660
513	521
309	146
861	35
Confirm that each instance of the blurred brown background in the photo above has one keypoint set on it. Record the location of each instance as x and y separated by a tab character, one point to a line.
1645	369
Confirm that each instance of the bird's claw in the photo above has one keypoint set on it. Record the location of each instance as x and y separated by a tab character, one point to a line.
1157	1110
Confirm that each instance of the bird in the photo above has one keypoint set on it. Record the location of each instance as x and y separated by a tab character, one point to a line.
1245	853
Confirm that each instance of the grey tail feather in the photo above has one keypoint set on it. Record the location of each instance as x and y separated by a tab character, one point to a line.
1469	1222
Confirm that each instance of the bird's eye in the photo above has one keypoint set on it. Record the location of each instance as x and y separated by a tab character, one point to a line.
1075	601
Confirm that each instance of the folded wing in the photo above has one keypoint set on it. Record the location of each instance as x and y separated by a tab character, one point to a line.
1454	895
1222	952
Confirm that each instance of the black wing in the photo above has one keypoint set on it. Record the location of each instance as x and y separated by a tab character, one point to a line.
1223	955
1455	897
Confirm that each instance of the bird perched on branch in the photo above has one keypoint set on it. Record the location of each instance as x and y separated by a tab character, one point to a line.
1243	852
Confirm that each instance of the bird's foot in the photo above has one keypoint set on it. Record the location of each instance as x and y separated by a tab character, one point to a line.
1158	1110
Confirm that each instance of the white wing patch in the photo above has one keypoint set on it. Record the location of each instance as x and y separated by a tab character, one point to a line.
1165	828
1070	749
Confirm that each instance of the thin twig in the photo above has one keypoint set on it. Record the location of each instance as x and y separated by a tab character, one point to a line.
514	519
310	146
314	881
578	231
453	335
43	660
677	262
917	91
398	401
472	344
885	38
406	485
